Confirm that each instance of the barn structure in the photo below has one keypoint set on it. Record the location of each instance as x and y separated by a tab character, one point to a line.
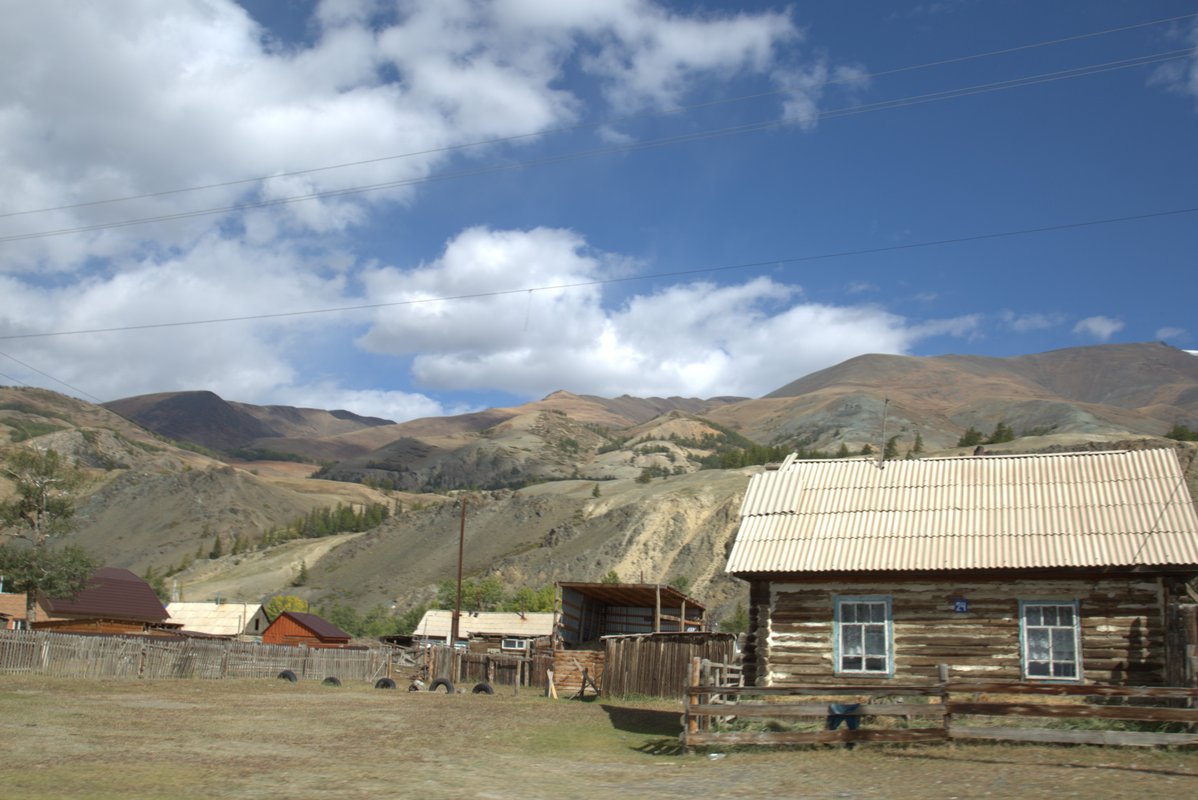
296	628
113	601
1067	567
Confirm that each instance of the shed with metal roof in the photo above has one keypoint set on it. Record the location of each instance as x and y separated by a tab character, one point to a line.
1064	567
296	628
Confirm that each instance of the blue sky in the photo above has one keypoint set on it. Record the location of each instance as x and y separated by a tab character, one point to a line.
607	197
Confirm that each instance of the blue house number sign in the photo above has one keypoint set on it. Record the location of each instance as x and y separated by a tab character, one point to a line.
960	605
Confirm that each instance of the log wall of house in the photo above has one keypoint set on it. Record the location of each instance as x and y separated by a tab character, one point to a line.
1122	627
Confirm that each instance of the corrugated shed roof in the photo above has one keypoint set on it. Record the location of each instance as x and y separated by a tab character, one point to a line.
437	624
633	595
217	619
983	512
112	593
324	629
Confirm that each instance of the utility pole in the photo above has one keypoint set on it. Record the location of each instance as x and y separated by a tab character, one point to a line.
457	606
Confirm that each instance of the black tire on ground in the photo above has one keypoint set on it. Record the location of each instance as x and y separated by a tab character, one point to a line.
287	675
332	680
384	683
441	683
483	688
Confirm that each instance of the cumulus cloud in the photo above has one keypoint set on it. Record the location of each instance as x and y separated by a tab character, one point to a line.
694	339
1098	327
1171	333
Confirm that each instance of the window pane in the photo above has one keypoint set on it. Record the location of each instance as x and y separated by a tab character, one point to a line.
1037	644
875	640
1065	615
1032	615
1050	615
850	641
1062	644
877	612
1064	670
1038	669
851	663
875	664
848	612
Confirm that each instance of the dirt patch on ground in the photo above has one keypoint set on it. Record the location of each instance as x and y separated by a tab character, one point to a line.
273	739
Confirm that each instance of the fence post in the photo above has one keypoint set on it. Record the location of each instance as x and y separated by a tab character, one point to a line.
692	720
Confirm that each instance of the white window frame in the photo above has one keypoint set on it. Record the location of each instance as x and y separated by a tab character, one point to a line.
514	644
841	628
1032	619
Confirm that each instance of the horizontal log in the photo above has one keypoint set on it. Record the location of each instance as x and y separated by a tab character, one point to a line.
820	710
999	687
893	735
1049	736
1074	710
831	689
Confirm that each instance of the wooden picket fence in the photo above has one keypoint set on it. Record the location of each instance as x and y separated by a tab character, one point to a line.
75	656
953	711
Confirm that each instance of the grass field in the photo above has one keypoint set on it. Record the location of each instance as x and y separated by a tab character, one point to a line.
273	739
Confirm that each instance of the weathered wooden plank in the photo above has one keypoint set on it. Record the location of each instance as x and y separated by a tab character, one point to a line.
1001	687
1074	710
890	735
1050	736
787	710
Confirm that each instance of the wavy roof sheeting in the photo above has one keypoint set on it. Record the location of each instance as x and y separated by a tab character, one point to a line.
1119	508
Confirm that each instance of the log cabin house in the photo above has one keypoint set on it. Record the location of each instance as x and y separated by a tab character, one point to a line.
486	631
1067	567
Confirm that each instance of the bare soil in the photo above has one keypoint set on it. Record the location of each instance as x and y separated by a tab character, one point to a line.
272	739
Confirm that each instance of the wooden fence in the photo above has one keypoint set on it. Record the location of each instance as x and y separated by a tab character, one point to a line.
75	656
658	665
469	669
939	712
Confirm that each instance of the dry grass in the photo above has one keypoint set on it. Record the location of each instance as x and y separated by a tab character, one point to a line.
271	739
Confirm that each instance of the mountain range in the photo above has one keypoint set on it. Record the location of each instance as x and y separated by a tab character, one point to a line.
569	487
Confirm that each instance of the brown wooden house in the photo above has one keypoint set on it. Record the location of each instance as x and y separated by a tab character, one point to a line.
113	601
1067	567
295	628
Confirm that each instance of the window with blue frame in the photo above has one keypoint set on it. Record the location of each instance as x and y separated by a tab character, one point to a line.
1051	636
863	636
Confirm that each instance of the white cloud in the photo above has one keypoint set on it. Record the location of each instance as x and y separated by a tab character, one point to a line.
123	99
1098	327
1171	333
694	339
1180	76
1024	323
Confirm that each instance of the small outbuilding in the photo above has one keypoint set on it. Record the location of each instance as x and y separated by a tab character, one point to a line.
486	631
12	611
1068	567
295	628
113	601
590	611
220	618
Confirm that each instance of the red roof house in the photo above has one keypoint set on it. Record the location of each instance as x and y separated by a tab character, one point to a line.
295	628
114	600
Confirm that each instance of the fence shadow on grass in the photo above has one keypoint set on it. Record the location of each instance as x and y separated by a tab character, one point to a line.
643	720
956	755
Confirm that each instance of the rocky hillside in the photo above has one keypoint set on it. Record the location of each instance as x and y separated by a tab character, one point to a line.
566	488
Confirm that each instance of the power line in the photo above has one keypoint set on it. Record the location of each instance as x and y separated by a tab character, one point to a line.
596	125
51	377
949	94
627	279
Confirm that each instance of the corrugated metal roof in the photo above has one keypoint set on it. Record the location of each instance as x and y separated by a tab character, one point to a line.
111	593
218	619
437	624
981	512
324	630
